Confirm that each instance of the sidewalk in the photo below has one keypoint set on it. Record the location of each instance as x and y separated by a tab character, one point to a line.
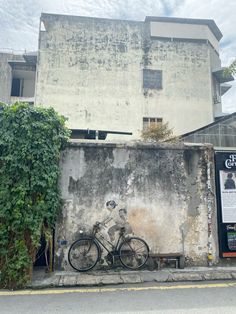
111	277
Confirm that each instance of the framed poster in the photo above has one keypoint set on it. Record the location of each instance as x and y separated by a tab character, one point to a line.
228	195
225	165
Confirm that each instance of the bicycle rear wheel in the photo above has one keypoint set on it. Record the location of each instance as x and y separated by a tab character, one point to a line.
83	254
133	253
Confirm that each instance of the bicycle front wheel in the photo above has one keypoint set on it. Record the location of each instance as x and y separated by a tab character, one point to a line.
83	254
133	253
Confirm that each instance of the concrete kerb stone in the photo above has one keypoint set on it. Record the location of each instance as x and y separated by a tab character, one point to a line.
84	280
158	276
186	276
217	275
80	280
131	278
90	280
68	281
110	279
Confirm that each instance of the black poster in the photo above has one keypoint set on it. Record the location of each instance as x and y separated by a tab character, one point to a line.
226	202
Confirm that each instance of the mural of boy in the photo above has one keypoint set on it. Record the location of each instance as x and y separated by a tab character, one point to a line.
116	220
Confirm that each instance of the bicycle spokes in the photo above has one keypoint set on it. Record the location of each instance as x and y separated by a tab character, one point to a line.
83	254
134	253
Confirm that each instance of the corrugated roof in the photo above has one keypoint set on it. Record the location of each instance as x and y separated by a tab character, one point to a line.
219	121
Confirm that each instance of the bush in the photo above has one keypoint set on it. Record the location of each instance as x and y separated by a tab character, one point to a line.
30	142
158	133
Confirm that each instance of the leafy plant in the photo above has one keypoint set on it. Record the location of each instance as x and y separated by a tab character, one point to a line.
157	133
30	142
231	69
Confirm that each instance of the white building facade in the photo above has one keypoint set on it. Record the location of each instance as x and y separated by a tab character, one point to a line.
122	76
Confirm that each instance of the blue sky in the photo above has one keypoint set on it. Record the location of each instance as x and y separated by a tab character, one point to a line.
19	21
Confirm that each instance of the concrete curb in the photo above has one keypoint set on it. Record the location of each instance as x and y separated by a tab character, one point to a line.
100	278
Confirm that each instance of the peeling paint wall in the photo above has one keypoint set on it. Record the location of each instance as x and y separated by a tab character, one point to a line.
165	190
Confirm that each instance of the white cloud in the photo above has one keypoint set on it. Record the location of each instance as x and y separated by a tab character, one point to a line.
19	20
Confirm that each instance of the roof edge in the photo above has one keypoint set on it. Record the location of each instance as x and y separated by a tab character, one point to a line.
210	23
46	15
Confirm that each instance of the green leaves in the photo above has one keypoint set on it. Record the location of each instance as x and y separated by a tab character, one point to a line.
157	133
231	69
30	142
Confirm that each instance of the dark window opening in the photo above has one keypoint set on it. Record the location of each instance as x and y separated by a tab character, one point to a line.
152	79
16	87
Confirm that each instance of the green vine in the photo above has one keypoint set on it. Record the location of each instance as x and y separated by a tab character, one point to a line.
31	139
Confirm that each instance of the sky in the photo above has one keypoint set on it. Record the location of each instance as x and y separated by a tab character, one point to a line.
19	21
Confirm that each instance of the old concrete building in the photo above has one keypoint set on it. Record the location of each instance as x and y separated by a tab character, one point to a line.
17	77
123	76
118	77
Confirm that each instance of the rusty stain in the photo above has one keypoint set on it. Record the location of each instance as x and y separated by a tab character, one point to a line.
142	222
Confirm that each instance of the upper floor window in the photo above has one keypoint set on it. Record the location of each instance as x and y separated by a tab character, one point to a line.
151	122
152	79
16	87
23	84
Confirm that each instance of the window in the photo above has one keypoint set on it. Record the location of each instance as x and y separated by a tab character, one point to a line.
23	85
149	122
16	87
152	79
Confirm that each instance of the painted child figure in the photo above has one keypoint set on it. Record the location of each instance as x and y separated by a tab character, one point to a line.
116	220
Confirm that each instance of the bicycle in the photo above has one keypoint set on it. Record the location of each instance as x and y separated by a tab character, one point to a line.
84	254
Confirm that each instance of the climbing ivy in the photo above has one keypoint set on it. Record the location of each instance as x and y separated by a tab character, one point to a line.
30	142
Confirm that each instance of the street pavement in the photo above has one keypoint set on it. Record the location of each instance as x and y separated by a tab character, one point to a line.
41	279
205	297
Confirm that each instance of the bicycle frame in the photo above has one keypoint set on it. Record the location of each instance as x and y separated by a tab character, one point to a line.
114	247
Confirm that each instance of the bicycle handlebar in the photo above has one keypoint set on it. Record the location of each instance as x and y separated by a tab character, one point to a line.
97	226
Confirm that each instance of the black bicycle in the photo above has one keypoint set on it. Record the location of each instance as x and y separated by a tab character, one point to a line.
84	253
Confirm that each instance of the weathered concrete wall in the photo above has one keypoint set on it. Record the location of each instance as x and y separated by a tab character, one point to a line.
185	100
91	70
167	191
5	77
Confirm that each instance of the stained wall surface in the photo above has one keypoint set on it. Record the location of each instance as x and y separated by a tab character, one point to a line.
168	193
5	77
91	70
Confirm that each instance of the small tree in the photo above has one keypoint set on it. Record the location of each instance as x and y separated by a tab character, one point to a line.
30	142
231	69
158	133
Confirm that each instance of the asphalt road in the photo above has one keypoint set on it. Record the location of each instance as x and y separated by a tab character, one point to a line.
214	297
